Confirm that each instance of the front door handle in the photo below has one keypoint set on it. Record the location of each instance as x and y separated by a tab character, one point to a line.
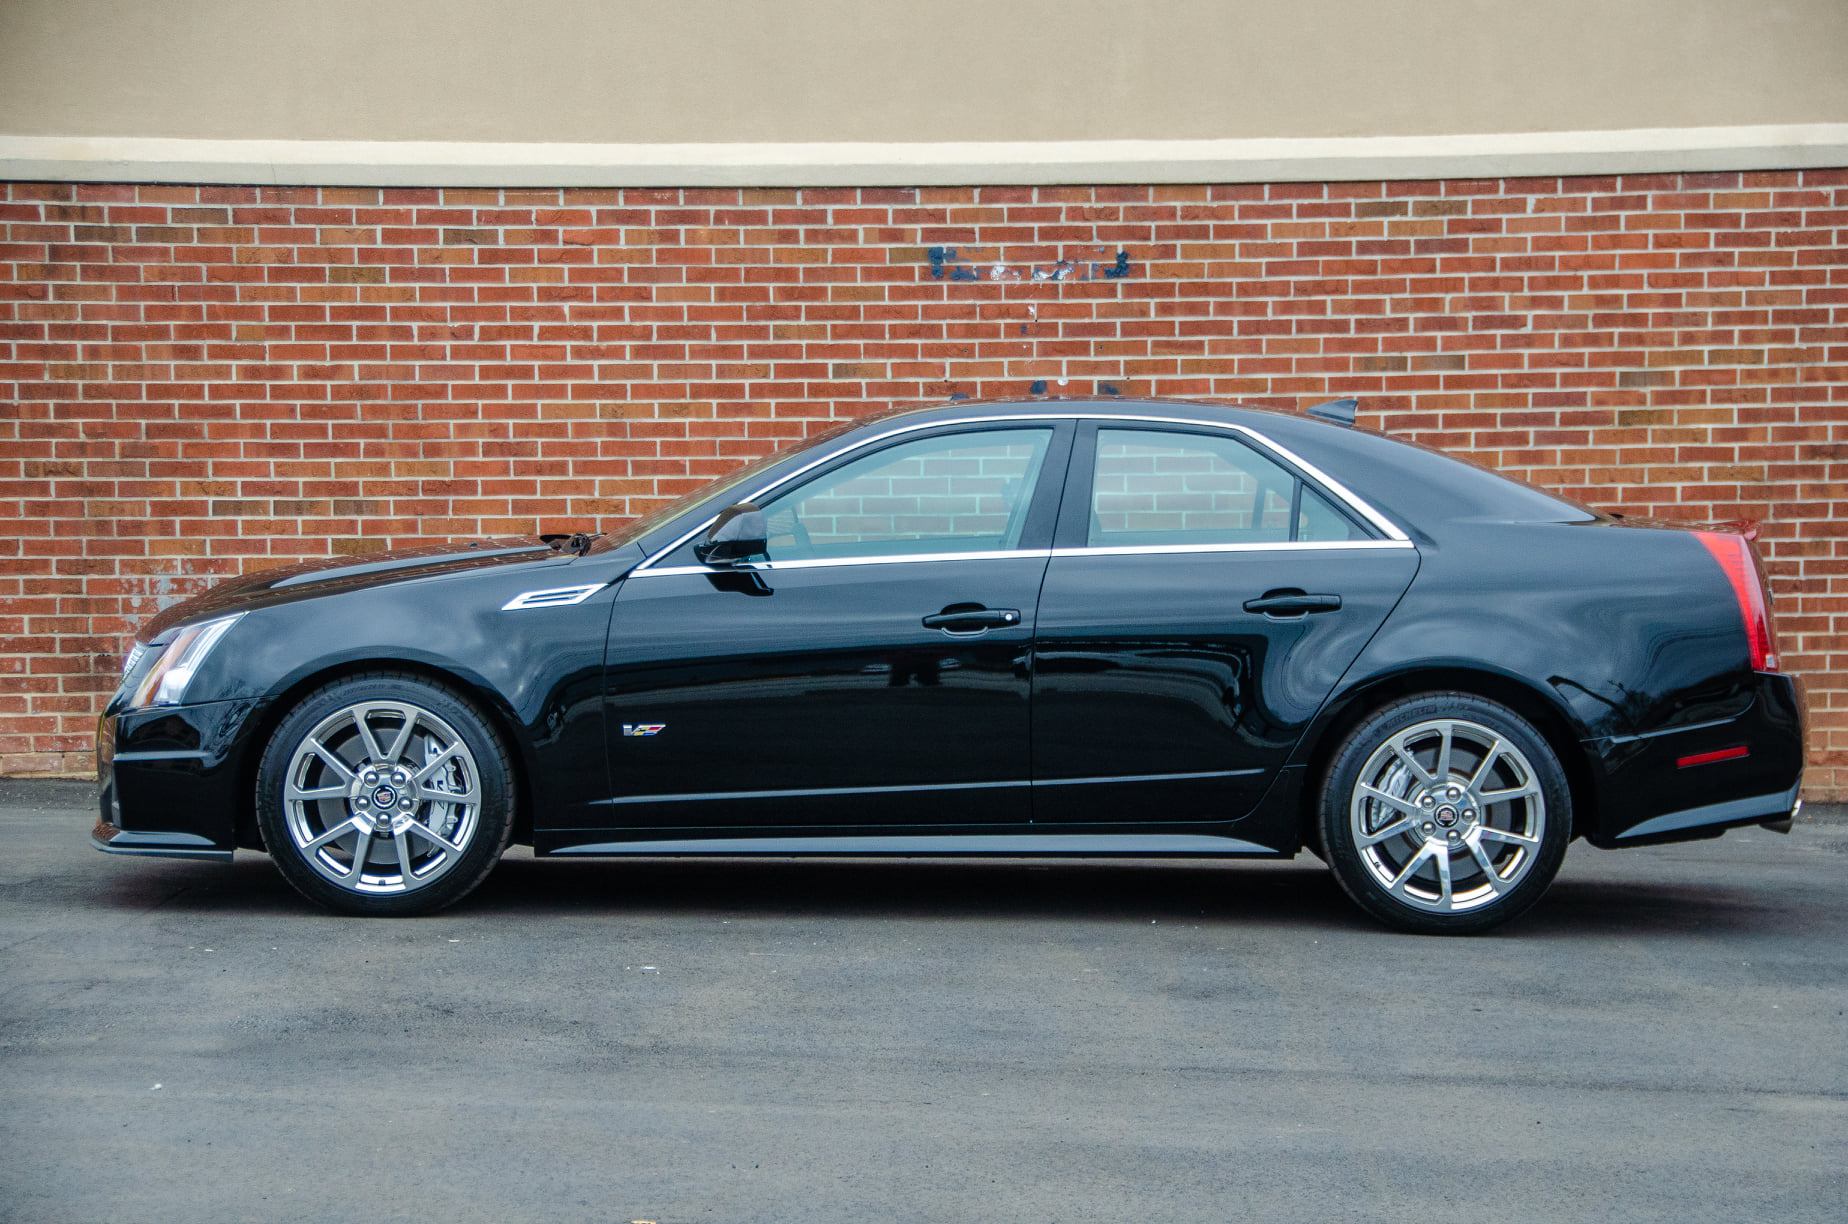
1292	603
972	620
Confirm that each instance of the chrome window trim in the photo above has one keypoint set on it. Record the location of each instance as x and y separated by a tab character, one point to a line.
1025	554
1394	536
1157	550
1012	554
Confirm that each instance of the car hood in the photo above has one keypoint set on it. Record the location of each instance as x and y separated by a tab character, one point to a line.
338	575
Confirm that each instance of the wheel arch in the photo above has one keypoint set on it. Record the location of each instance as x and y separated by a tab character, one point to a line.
489	703
1526	699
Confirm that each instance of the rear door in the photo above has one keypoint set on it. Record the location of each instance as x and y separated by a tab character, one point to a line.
1203	598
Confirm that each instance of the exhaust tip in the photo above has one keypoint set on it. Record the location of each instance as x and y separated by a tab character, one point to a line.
1782	824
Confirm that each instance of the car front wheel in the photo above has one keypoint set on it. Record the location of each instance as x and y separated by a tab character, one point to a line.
384	794
1445	814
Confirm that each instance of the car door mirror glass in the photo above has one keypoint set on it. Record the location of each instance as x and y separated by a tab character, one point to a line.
737	535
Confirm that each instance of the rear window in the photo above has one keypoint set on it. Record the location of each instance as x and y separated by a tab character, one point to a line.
1483	492
1417	484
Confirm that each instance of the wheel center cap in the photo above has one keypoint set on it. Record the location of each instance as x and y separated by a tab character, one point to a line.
385	796
1447	816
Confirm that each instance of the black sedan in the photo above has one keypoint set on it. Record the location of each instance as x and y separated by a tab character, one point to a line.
1043	628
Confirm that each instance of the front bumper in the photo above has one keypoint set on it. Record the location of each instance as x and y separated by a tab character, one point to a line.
1646	795
171	780
113	840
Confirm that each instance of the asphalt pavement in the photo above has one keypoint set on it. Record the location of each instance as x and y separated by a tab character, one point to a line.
1662	1039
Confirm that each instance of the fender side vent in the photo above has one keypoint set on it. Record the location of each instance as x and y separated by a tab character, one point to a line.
554	597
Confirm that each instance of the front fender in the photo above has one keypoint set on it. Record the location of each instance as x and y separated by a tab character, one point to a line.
538	670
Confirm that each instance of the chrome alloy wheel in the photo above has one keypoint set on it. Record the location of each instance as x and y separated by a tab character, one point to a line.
1447	816
382	797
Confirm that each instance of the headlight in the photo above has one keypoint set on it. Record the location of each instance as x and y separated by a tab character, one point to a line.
166	681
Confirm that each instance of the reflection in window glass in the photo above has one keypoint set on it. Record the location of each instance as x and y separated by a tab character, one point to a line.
1159	487
962	492
1318	520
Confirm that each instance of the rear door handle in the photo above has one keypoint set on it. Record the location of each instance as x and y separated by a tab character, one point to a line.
973	620
1292	603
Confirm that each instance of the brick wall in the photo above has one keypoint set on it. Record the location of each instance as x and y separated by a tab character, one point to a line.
199	380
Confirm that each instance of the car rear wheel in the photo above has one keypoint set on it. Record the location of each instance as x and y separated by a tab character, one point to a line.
1445	814
384	794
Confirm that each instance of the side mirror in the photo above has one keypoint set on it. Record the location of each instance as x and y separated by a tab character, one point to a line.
738	534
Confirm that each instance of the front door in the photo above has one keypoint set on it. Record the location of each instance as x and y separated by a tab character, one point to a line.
1202	601
873	669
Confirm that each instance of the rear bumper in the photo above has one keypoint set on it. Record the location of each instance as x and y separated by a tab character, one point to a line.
169	780
1688	783
1712	819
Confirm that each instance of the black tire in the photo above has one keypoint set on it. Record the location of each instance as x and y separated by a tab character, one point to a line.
493	815
1444	819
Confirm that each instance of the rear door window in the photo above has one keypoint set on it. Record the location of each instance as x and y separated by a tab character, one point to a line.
1153	487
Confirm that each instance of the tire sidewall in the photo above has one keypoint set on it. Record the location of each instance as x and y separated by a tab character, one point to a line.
494	821
1337	835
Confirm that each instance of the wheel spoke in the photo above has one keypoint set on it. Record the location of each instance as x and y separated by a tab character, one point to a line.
404	856
1411	866
1404	805
1442	856
1488	759
1519	839
471	795
331	760
1446	740
1509	795
433	837
360	850
1411	763
402	740
295	794
334	831
374	753
436	762
1485	862
1404	824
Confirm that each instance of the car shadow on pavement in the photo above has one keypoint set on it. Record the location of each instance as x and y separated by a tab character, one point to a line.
1299	893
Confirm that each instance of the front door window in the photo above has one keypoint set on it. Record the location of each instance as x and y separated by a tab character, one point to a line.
950	493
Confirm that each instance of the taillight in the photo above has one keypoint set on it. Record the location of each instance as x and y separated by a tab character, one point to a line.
1736	557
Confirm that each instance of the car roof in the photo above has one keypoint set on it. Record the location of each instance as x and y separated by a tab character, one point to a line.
1416	488
1415	485
1215	411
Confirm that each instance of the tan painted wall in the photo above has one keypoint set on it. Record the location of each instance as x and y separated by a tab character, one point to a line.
910	70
